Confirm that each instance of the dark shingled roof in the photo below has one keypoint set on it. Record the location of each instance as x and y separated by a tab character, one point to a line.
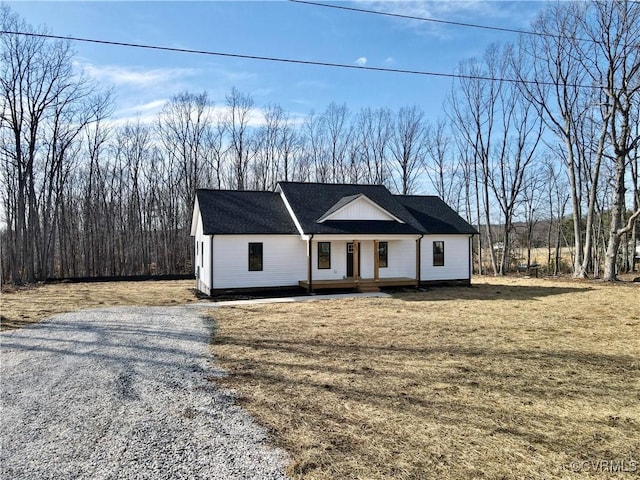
233	212
434	215
310	201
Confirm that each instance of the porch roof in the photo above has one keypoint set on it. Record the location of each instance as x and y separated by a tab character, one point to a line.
367	227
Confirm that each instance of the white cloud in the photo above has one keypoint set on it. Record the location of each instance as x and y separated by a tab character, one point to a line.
142	92
516	14
443	10
147	114
389	60
361	61
133	76
152	106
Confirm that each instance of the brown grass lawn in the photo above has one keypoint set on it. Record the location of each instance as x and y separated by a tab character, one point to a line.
510	379
28	305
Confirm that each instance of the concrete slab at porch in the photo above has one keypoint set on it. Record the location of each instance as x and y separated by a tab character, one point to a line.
361	285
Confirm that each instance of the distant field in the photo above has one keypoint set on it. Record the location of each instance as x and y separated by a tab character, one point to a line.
511	379
538	255
28	305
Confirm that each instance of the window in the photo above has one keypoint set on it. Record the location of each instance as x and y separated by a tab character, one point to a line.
255	257
324	255
202	254
383	254
438	254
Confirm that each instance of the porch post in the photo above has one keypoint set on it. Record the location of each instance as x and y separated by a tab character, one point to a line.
376	260
356	266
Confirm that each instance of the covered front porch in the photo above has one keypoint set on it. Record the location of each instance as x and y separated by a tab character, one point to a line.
361	284
364	264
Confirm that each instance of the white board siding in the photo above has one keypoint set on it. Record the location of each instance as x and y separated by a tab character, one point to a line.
284	261
338	268
360	209
197	238
202	258
456	258
366	259
401	259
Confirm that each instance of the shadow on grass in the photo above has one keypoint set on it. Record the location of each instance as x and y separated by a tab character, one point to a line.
520	400
487	292
12	324
539	362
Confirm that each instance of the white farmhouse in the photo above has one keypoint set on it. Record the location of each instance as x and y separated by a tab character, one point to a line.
326	236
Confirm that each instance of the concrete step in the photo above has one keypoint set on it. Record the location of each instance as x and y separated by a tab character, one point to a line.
368	288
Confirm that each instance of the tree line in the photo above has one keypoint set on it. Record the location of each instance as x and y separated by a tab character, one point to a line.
554	135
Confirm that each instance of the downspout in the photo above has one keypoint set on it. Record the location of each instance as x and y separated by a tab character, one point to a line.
420	259
470	257
211	265
310	265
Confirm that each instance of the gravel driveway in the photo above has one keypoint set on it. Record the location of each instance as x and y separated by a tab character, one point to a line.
123	393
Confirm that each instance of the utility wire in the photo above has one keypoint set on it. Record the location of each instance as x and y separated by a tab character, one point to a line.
435	20
287	60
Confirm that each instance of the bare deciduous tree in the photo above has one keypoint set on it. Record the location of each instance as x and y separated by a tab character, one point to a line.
45	106
408	144
238	117
440	167
616	37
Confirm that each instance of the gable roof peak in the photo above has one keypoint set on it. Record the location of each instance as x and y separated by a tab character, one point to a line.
349	200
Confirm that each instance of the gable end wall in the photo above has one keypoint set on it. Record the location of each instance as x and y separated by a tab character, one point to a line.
202	258
360	209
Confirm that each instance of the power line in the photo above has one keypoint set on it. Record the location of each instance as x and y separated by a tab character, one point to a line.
287	60
436	20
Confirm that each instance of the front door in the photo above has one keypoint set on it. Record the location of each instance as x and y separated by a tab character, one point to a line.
350	259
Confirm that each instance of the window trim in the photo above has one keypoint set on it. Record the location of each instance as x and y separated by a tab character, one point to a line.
328	267
386	255
253	244
439	256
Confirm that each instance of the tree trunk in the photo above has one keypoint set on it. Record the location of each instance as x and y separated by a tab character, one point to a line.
611	256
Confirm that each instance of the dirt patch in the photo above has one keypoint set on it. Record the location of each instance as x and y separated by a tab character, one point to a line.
28	305
509	378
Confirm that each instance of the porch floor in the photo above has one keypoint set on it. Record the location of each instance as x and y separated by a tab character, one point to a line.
362	284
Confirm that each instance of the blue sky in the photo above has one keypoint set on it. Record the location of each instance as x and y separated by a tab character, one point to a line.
143	80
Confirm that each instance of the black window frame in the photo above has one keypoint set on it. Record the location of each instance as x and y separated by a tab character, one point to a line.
256	257
438	256
324	255
386	254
